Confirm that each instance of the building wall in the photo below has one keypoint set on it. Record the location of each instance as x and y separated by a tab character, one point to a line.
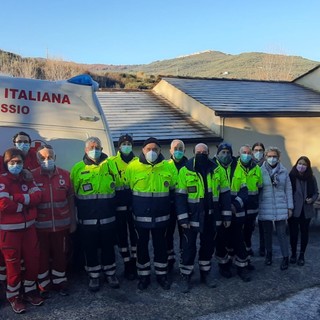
311	80
294	136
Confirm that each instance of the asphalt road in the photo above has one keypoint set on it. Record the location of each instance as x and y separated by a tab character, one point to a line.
272	294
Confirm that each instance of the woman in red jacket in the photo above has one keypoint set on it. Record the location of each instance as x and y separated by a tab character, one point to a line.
18	238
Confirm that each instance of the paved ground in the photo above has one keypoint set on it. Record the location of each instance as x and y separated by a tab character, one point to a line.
272	294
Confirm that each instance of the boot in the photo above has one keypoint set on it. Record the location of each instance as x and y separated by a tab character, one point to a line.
243	273
185	283
113	281
94	284
129	270
293	258
144	282
300	261
285	263
268	260
207	279
225	271
163	281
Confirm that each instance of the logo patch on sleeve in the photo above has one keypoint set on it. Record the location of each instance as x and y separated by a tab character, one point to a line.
87	187
192	189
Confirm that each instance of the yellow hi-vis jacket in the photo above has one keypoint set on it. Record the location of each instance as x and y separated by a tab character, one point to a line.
95	188
150	185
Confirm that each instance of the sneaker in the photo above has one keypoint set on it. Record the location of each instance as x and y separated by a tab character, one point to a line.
208	280
33	297
94	284
144	282
243	274
284	264
17	304
293	259
113	282
185	285
164	283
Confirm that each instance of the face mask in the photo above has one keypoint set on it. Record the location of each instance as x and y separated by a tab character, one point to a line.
151	156
224	158
272	161
245	158
178	155
301	168
47	165
258	155
24	147
94	154
201	158
125	149
15	169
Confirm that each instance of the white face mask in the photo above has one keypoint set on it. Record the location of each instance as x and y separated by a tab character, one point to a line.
47	165
272	161
258	155
151	156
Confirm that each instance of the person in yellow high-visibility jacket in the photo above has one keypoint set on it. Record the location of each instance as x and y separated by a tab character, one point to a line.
198	207
151	179
124	218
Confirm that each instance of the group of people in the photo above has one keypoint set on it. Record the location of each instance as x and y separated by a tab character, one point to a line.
125	200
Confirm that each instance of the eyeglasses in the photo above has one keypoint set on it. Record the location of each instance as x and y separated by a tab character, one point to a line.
22	141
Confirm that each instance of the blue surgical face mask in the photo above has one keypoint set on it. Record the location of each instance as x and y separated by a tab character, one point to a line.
47	165
178	155
272	161
224	158
24	147
245	158
258	155
94	154
15	169
125	149
151	156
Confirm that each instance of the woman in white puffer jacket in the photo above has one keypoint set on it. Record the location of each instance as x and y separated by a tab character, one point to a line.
276	204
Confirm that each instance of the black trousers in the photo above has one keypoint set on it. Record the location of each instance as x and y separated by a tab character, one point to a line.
98	245
295	224
248	228
159	249
126	235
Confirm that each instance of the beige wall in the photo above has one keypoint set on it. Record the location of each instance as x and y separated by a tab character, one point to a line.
294	136
311	80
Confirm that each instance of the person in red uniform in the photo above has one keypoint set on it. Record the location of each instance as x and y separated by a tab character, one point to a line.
18	237
22	141
55	220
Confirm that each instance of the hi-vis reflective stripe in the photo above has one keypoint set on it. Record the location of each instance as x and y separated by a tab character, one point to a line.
225	189
122	208
252	211
149	219
194	200
240	201
58	280
43	275
226	213
47	205
253	193
20	207
183	216
194	224
182	191
150	194
49	224
16	226
4	195
240	214
95	196
26	198
95	221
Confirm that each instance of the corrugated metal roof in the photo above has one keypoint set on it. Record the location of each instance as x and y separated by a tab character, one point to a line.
232	98
143	114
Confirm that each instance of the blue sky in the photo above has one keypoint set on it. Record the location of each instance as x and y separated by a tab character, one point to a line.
143	31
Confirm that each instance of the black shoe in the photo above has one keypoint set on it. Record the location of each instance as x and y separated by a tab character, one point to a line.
293	259
243	274
164	283
94	284
64	292
300	261
208	280
262	252
225	272
113	282
268	260
285	263
250	267
144	282
185	285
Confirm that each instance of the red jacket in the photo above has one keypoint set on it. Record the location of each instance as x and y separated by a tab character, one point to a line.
18	201
2	170
54	211
31	161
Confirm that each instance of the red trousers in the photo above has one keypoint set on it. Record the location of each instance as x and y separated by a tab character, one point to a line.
15	246
53	259
3	272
